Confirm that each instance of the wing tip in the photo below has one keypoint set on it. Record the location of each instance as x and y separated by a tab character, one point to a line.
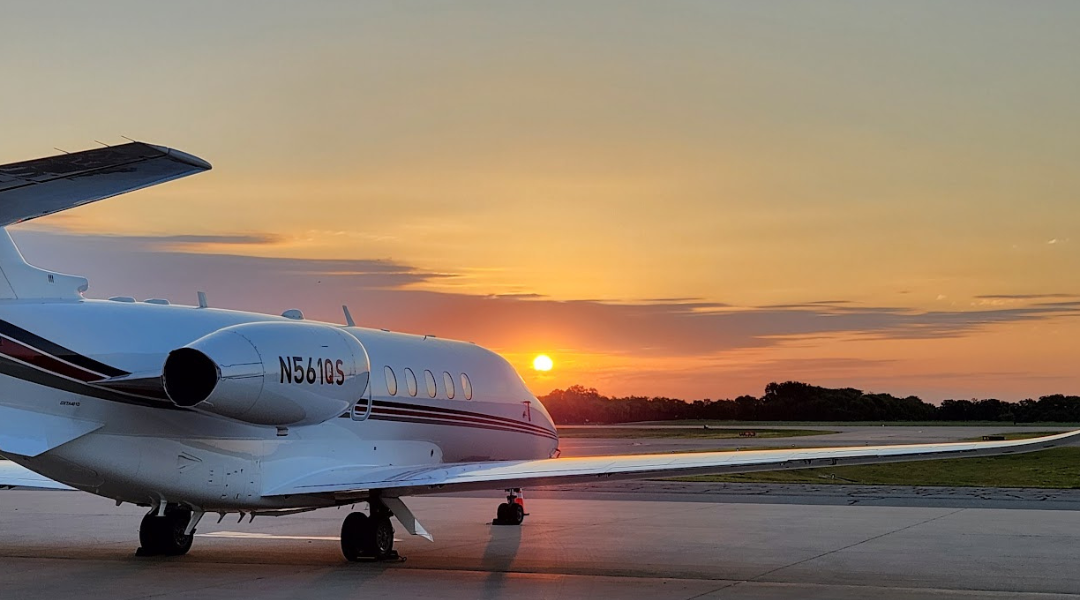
184	157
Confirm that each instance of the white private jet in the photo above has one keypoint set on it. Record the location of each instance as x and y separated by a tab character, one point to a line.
189	410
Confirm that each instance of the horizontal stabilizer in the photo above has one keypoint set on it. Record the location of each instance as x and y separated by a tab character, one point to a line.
35	188
358	482
29	433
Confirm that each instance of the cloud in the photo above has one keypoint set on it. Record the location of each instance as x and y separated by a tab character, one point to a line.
518	296
813	304
383	293
1024	296
171	240
161	242
156	263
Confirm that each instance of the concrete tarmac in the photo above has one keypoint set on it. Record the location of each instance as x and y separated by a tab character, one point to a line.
69	544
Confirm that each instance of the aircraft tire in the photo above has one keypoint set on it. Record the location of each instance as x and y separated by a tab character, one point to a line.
516	514
164	536
509	513
354	531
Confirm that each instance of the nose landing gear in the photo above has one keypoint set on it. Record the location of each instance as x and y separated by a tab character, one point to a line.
511	512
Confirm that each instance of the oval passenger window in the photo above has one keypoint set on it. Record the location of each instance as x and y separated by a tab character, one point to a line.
391	381
429	379
410	381
466	386
448	383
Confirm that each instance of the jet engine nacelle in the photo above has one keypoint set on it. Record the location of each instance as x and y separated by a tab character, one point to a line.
269	373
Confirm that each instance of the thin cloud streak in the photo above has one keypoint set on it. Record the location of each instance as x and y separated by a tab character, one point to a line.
382	291
1024	296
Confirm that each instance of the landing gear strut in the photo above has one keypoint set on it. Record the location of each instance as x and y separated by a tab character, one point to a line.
366	537
511	512
165	535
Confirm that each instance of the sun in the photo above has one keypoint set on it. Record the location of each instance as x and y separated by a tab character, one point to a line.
543	362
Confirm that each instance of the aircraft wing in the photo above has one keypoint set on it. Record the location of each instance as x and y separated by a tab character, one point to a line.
43	186
359	481
12	475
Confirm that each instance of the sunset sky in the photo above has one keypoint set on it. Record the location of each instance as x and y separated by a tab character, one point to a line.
688	199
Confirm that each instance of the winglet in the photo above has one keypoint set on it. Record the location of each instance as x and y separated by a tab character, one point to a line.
184	157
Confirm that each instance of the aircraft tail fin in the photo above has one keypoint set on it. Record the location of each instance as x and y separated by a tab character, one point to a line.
21	280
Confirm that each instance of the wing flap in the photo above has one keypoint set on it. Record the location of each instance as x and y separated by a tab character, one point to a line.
43	186
13	475
359	481
29	433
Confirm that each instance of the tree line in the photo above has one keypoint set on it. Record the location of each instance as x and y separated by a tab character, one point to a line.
795	401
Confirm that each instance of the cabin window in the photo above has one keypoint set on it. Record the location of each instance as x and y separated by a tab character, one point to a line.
466	386
448	383
410	381
391	381
429	379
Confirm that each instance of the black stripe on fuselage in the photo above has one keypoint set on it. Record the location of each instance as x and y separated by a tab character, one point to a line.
454	413
26	372
56	350
455	419
376	416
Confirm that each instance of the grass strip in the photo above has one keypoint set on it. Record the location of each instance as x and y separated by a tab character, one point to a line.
1054	468
673	433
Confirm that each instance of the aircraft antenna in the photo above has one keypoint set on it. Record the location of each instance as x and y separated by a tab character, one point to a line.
348	316
202	300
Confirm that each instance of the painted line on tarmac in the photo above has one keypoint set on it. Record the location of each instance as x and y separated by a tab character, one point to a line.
247	535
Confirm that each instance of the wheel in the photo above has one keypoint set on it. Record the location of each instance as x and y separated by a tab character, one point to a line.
165	535
509	513
380	541
516	514
367	537
354	530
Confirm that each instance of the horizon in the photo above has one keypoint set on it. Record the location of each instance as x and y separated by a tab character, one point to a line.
935	402
686	199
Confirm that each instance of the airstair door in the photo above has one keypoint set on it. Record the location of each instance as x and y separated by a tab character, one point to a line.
362	409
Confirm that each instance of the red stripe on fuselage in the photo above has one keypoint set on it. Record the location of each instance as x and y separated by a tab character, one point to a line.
34	357
450	413
477	418
378	416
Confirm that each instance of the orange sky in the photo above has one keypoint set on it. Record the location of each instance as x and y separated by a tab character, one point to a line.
688	199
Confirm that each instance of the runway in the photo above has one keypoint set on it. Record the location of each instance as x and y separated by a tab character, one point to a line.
67	544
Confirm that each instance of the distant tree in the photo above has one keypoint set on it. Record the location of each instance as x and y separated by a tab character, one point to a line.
797	401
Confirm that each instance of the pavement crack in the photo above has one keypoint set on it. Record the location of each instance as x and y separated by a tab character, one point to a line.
714	590
859	543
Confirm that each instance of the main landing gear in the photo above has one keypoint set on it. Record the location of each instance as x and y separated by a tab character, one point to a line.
168	534
366	537
511	512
